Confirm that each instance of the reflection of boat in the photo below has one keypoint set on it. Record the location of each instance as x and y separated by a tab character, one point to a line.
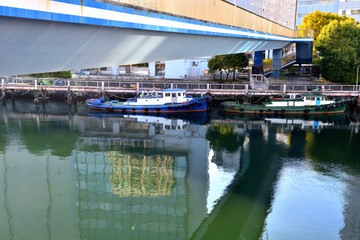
303	122
307	104
169	101
196	117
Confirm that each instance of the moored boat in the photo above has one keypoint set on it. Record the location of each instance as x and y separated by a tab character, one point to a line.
168	101
307	104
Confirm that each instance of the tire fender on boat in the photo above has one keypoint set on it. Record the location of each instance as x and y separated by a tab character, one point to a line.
317	109
306	110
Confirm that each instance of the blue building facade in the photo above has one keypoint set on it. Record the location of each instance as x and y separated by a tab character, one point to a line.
305	7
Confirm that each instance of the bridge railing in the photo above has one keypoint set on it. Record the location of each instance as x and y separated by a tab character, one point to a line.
27	83
304	33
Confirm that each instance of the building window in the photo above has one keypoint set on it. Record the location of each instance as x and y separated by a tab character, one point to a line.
312	2
159	68
355	12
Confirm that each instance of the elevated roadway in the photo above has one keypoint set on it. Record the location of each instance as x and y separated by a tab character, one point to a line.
55	35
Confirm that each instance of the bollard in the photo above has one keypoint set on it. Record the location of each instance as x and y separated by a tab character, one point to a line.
43	94
3	95
36	99
69	99
3	92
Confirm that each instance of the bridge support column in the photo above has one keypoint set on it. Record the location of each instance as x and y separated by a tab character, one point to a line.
258	58
276	63
258	63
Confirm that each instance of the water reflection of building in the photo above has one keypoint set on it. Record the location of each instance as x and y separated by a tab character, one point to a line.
152	183
137	175
136	208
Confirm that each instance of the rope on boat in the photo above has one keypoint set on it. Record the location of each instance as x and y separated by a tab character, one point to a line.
116	96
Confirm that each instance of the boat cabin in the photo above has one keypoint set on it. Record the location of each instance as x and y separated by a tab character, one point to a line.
296	101
313	100
175	95
168	96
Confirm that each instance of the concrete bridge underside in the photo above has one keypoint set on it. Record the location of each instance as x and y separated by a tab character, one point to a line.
33	46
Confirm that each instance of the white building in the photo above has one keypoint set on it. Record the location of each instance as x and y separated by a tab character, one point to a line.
193	68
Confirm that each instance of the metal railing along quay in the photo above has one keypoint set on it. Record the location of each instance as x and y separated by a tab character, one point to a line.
192	87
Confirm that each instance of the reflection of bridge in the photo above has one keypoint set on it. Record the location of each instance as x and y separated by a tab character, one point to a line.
61	35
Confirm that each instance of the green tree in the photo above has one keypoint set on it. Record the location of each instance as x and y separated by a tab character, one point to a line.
318	20
215	64
228	63
339	48
239	62
65	74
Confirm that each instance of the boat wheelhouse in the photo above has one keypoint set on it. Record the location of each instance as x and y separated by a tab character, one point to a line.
169	101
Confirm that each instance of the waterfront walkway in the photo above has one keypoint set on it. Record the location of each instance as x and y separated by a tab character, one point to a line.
198	88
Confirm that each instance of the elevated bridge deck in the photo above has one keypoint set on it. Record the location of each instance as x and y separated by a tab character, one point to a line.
60	35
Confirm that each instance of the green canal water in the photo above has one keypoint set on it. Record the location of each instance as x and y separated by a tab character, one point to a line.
69	174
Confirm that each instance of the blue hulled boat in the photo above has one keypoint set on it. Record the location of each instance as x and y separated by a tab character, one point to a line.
168	101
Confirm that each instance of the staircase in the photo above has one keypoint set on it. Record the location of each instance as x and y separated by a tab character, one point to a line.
259	82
